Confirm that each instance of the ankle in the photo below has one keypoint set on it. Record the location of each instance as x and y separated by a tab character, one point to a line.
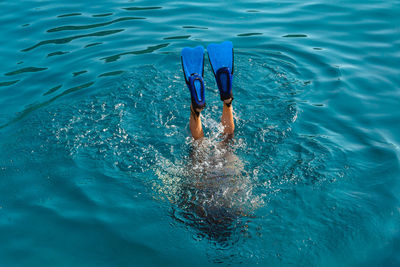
194	112
228	102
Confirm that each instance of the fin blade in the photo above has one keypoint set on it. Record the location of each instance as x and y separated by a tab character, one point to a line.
192	61
221	55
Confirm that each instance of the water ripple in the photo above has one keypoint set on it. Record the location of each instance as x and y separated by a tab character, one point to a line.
111	73
194	27
23	70
249	34
295	35
92	44
77	73
36	106
177	37
91	26
52	90
149	49
71	38
8	83
57	53
69	15
141	8
102	15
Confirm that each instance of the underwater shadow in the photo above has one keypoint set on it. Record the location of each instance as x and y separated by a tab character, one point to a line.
214	195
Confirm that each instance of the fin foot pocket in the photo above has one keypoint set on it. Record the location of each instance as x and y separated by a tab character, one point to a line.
196	88
223	77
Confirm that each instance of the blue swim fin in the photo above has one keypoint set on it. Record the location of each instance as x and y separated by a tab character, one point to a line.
193	69
221	60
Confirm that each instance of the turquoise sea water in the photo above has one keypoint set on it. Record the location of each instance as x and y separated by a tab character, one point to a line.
97	166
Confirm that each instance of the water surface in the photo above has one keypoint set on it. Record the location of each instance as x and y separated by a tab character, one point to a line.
97	166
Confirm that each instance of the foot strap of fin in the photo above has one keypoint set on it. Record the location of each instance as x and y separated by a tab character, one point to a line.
223	77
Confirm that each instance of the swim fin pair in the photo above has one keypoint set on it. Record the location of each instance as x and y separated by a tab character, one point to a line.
221	60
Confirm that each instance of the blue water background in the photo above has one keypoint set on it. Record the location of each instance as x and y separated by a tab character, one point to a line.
95	147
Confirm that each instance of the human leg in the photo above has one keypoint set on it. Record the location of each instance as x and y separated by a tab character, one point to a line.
227	117
195	123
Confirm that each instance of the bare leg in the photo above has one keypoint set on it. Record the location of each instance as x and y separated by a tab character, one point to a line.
227	117
195	124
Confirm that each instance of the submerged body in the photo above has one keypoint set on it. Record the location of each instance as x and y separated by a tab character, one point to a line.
216	192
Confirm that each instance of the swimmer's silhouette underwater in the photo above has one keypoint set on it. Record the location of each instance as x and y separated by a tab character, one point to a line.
215	196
